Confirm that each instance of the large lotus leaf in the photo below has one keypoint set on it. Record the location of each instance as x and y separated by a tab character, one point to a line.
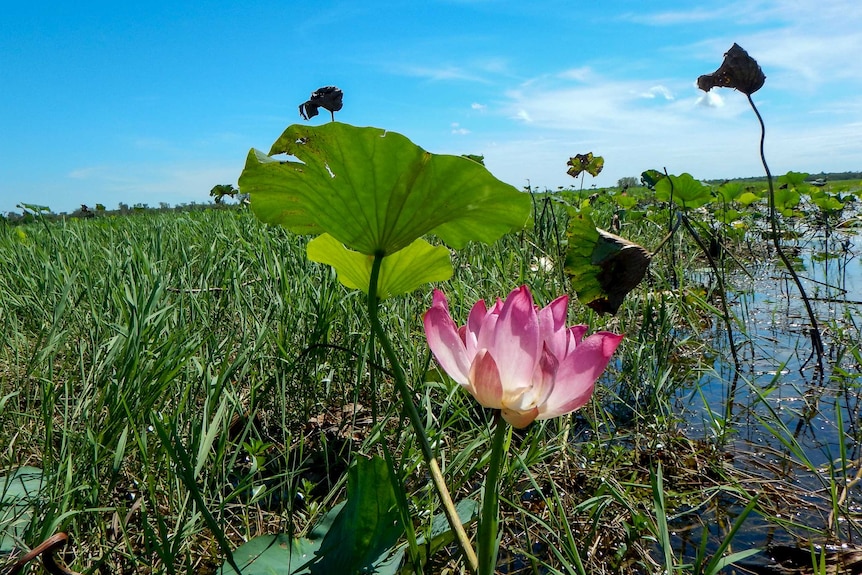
402	272
786	199
625	201
603	268
273	554
825	201
729	191
650	178
365	533
727	216
375	191
747	198
19	493
793	179
687	192
357	536
281	553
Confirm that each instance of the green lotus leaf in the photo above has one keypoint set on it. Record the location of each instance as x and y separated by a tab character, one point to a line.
727	216
376	192
687	192
747	198
825	201
402	272
20	494
358	535
793	179
625	202
650	178
729	191
786	199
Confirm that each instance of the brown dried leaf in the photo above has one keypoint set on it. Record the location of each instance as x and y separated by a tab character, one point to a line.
623	265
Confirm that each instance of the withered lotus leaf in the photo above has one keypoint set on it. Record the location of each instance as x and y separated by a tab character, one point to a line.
602	267
739	71
585	163
623	265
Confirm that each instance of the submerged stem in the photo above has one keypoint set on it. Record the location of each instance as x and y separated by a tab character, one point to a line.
489	521
416	420
815	330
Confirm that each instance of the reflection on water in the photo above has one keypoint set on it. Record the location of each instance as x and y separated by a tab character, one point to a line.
796	431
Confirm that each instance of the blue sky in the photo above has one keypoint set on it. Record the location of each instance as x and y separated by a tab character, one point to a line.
149	102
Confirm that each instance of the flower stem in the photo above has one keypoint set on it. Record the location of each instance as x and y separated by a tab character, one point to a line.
816	341
488	523
416	420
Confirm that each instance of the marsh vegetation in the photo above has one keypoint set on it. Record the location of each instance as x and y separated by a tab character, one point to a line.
185	382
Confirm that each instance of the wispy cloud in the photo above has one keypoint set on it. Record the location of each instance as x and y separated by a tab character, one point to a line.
439	73
85	173
676	17
457	129
581	74
607	106
657	91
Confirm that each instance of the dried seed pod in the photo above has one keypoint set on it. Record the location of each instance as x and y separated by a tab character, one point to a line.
739	70
328	98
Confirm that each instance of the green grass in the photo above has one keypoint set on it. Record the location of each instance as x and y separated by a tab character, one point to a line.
187	381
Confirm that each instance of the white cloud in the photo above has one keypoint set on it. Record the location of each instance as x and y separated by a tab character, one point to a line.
457	129
439	73
604	107
85	173
524	116
711	99
676	17
581	74
657	91
478	107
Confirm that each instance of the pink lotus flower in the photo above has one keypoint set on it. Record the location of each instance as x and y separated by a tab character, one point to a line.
518	358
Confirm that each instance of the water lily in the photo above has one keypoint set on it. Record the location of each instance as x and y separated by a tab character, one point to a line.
518	358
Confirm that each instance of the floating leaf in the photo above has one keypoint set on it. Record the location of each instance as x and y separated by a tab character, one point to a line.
585	163
357	536
376	191
402	272
368	526
739	71
603	267
687	192
19	493
329	98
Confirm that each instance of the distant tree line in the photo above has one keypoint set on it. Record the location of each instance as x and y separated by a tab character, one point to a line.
32	212
830	176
